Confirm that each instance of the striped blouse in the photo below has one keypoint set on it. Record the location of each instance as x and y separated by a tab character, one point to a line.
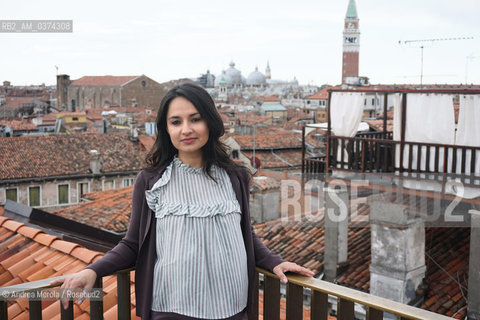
201	267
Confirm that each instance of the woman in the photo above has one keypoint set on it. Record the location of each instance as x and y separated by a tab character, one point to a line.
190	236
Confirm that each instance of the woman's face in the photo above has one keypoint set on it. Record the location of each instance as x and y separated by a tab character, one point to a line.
187	129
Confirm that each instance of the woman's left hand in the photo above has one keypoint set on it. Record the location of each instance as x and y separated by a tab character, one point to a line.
283	267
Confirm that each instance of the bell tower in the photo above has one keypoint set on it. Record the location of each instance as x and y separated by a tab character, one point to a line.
351	43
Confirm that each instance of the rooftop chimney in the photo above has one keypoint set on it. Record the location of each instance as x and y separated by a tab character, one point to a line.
96	162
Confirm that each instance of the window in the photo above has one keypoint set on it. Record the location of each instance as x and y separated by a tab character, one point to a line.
235	154
34	196
108	184
82	188
63	193
365	102
127	182
11	194
373	101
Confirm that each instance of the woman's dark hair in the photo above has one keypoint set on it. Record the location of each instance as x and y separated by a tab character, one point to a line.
214	151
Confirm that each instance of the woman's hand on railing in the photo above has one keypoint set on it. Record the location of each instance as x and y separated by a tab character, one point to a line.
84	279
286	266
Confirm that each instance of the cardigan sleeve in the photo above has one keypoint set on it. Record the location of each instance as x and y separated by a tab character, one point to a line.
124	254
264	257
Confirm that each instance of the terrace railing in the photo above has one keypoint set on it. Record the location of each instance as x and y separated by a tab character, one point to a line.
319	306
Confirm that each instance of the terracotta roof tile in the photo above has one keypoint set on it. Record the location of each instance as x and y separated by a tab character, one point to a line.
102	81
64	246
22	316
5	234
60	154
319	95
4	276
286	140
45	239
12	225
109	210
84	254
20	266
29	260
25	273
14	310
45	272
29	232
55	258
62	263
14	259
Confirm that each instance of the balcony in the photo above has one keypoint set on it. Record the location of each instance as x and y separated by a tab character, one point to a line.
375	153
320	292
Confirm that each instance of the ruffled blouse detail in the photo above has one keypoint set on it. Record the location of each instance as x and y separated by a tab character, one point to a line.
162	205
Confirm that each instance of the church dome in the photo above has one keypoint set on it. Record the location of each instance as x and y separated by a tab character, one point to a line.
256	78
234	74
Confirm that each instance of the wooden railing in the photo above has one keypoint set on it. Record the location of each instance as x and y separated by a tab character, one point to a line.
319	296
376	135
371	155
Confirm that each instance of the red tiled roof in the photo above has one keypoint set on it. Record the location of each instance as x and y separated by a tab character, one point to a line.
108	210
303	242
265	183
146	142
377	124
319	95
25	257
281	158
102	81
269	141
17	102
57	155
18	125
251	118
49	118
268	98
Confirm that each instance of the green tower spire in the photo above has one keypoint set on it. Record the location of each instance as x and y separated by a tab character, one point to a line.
352	10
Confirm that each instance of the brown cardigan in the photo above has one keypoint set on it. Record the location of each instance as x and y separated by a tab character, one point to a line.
138	249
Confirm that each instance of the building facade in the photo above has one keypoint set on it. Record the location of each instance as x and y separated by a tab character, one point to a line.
107	91
56	170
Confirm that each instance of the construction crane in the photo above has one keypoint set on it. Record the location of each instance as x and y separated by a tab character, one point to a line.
430	41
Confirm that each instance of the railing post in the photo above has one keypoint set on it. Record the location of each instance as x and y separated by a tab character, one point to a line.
35	307
374	314
303	150
3	310
363	155
123	294
96	307
271	298
67	314
254	314
345	309
319	306
294	302
402	131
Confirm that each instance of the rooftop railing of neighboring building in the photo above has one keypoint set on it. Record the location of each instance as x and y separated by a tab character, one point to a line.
377	152
319	306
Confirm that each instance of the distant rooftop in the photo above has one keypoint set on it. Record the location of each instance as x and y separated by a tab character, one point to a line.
103	81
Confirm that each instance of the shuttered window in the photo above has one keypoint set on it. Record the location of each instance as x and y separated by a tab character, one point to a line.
11	194
63	193
34	196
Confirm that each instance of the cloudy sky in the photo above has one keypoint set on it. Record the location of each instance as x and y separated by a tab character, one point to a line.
303	38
